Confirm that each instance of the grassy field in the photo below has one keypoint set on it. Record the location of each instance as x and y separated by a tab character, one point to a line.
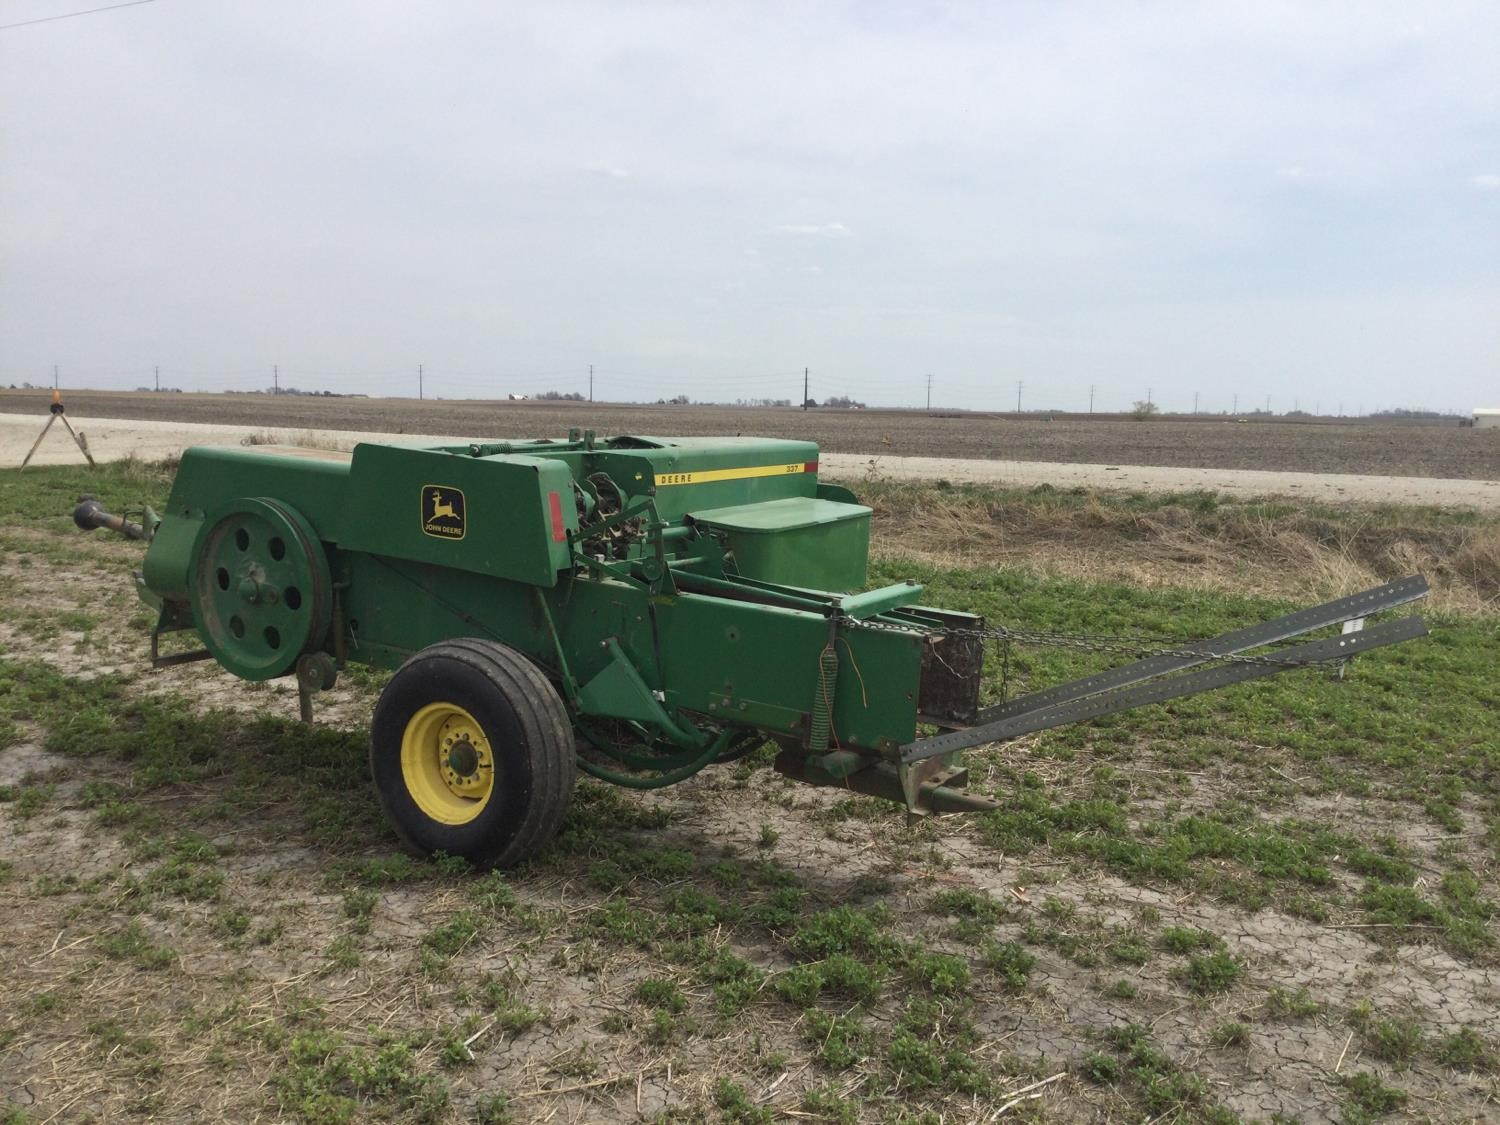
1321	445
1272	903
1270	547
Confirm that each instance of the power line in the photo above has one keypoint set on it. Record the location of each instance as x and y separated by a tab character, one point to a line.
71	15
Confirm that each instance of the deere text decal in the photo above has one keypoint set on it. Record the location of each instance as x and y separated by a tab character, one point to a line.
442	511
708	476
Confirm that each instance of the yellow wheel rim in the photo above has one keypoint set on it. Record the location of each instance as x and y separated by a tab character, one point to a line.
447	764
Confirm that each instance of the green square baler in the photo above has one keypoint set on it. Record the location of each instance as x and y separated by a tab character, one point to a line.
637	607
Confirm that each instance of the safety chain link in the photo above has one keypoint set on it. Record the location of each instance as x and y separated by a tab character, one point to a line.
1090	642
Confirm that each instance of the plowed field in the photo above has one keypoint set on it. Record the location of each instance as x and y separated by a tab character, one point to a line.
1322	446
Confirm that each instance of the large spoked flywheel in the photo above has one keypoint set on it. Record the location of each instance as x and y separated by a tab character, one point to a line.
262	595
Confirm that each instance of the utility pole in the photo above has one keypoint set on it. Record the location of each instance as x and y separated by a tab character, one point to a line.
275	379
1195	402
929	394
591	382
1341	408
54	376
1235	409
1019	385
804	388
1268	404
420	394
1148	396
158	378
1091	398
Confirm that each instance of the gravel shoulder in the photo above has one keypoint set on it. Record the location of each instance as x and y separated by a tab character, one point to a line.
114	439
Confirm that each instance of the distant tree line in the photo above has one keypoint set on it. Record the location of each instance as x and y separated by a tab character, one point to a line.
1409	412
559	396
295	391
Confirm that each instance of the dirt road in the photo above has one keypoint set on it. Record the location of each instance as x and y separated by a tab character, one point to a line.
153	440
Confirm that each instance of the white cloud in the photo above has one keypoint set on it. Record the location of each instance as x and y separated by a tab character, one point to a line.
816	230
1486	181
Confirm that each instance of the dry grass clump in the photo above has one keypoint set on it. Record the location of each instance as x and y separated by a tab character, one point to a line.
302	439
1478	563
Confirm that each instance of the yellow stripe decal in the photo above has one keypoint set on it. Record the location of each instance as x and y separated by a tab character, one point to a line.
706	476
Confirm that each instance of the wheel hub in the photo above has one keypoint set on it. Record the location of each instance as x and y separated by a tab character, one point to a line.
447	763
463	759
464	755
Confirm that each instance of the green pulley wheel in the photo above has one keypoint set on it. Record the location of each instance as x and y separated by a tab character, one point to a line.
262	595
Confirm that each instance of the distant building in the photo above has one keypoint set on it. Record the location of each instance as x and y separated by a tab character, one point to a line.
1487	419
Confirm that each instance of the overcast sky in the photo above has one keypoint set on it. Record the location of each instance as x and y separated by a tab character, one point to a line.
1296	200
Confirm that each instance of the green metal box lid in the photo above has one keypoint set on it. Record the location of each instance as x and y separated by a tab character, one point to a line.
787	514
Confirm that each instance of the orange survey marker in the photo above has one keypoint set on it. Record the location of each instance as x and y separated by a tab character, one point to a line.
57	409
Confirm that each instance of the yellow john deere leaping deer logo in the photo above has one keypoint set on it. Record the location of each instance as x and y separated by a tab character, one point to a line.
442	511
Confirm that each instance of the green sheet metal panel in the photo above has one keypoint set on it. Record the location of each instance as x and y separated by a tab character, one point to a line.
796	541
506	516
313	481
692	473
759	665
396	607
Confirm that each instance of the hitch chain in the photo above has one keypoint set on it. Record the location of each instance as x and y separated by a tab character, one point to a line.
1096	642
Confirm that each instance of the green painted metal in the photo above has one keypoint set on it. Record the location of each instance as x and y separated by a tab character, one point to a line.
691	595
442	509
801	539
670	775
261	593
875	602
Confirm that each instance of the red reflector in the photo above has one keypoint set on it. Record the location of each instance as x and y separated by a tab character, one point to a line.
810	467
559	532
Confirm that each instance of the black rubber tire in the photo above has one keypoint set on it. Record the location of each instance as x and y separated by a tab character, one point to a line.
530	736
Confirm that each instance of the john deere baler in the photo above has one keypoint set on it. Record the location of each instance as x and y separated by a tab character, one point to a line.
637	607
